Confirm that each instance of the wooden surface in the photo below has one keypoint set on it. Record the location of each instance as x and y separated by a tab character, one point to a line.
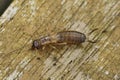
26	20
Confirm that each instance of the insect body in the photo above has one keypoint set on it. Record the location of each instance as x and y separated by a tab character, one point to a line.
61	38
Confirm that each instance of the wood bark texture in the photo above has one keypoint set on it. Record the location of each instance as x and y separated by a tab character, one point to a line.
27	20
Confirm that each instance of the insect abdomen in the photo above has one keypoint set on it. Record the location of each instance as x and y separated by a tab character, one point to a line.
72	37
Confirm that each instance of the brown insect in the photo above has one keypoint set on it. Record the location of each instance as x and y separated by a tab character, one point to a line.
61	38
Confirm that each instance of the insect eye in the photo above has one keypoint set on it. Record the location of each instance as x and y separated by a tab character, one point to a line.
35	44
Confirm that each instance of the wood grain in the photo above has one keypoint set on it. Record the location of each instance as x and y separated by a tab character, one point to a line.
26	20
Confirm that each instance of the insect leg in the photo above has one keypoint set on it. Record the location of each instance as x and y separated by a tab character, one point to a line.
43	48
61	43
53	47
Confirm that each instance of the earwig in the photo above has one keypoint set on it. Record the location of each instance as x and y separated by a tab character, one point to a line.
61	38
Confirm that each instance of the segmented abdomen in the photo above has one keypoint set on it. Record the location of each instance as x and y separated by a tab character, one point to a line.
72	37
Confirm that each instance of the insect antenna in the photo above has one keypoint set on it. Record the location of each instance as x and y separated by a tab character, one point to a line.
19	50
